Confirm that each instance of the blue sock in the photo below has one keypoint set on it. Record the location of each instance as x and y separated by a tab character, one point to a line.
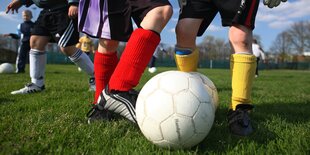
183	51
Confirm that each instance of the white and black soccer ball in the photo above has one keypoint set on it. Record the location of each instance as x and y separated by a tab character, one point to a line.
174	110
6	68
152	69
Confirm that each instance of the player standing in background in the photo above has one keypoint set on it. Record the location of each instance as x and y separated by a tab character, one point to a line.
23	33
239	15
86	45
152	67
110	21
259	53
57	22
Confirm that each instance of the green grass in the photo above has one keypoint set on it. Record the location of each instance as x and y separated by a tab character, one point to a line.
54	122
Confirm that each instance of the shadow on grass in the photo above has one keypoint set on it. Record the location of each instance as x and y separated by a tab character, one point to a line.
292	112
223	89
220	140
4	100
228	89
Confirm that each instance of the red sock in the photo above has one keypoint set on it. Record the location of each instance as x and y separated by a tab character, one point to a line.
104	65
135	58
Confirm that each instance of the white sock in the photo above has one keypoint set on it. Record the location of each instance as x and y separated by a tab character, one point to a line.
247	53
37	62
83	61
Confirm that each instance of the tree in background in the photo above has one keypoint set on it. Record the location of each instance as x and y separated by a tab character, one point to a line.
281	46
214	49
294	40
300	36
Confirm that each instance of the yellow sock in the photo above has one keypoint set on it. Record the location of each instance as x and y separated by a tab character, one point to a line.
187	63
243	70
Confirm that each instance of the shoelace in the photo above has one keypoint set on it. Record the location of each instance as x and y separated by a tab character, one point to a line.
133	95
93	110
29	84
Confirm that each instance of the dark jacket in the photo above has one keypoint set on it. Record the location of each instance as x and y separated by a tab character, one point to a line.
23	31
49	4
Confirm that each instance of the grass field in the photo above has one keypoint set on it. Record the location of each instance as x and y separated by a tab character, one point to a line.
54	121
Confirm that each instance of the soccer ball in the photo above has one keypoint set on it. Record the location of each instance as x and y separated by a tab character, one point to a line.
152	69
210	87
6	68
174	110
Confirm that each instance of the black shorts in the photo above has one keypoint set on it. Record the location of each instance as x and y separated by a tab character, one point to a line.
241	12
112	19
57	25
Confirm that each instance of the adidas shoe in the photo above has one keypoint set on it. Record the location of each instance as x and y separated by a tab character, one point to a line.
28	89
239	120
92	84
119	102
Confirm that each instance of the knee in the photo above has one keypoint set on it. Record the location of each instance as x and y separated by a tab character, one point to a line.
241	39
239	42
185	35
34	44
166	13
157	18
68	51
162	13
107	46
38	42
182	30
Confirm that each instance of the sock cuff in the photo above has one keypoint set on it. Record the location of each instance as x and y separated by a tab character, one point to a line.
36	52
137	53
183	51
102	55
147	35
74	57
243	58
182	48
